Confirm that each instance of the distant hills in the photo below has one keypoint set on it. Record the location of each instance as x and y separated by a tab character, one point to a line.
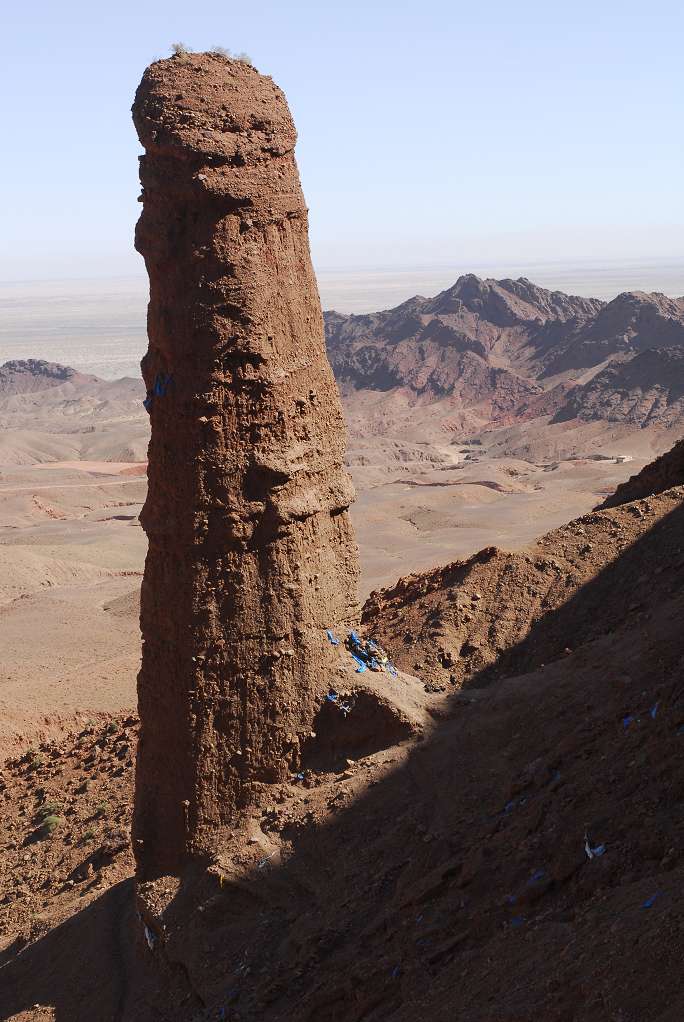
50	412
507	350
537	374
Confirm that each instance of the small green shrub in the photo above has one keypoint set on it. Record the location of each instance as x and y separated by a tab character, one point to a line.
49	808
50	825
101	809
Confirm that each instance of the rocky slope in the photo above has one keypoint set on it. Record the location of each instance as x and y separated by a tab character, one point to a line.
500	614
647	390
251	551
661	474
509	864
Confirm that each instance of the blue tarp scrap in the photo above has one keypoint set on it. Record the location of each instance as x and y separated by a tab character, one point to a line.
362	667
161	382
159	388
538	875
369	654
626	721
593	852
333	697
650	901
331	637
654	709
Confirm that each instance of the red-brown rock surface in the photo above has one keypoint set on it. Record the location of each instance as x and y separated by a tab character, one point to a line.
659	475
488	353
251	553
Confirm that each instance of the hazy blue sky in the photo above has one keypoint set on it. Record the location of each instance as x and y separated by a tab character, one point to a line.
429	132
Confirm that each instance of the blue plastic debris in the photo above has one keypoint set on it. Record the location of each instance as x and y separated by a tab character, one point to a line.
362	667
333	640
654	709
161	382
299	777
396	971
392	670
593	852
538	875
650	901
626	721
332	696
159	387
517	921
509	805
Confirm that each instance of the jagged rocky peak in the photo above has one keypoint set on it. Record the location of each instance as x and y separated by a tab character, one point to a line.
251	552
508	301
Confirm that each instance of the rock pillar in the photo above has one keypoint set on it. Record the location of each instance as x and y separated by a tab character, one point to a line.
251	552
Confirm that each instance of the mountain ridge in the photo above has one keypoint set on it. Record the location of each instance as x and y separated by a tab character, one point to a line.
505	343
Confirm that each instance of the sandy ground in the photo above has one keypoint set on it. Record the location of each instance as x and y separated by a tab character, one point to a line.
72	555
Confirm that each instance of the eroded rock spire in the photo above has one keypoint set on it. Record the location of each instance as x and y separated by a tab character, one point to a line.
251	551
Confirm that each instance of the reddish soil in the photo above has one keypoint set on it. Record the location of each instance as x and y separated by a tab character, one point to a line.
441	878
500	613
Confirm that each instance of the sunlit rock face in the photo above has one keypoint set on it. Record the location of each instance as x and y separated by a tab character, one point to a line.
251	552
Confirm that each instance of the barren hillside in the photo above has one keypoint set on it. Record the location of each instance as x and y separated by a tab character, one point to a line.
504	865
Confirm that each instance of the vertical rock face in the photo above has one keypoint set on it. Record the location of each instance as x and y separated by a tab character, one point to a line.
251	551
